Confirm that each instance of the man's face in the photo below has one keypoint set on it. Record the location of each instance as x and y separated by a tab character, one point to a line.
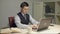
25	9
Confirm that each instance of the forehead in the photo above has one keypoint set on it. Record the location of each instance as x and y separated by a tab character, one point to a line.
26	7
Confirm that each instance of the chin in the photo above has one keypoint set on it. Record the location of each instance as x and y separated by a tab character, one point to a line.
25	13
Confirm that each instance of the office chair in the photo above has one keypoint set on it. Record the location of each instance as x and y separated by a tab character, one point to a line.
12	21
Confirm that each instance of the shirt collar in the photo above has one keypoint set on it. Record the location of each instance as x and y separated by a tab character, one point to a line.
22	13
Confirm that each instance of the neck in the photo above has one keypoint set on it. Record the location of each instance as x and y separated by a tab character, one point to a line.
22	12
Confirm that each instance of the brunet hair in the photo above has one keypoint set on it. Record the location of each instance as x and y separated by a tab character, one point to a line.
24	4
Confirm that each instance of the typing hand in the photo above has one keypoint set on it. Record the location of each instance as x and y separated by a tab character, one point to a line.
34	26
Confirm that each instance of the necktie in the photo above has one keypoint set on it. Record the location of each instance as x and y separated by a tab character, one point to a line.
25	16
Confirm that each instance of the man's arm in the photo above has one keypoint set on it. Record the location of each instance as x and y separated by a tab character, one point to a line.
34	22
18	23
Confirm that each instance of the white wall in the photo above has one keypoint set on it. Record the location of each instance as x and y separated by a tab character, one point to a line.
10	8
38	10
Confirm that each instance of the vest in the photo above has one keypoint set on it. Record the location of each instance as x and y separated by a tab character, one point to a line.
23	20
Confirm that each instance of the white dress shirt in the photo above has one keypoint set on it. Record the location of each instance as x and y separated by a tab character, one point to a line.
20	25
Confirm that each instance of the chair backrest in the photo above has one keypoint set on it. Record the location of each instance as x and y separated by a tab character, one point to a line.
11	21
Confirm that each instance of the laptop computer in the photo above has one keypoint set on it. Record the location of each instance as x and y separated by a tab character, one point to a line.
44	24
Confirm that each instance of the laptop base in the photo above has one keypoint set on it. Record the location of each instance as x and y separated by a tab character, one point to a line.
42	29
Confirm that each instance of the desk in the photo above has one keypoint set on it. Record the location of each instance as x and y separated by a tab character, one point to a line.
51	30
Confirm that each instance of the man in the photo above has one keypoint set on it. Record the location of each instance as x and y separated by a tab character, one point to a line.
23	19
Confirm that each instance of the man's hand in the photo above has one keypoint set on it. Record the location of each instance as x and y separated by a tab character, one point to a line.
34	26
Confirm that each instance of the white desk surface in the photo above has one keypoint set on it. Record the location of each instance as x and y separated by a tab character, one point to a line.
51	30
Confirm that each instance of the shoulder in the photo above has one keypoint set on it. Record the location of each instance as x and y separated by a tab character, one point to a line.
28	14
16	16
